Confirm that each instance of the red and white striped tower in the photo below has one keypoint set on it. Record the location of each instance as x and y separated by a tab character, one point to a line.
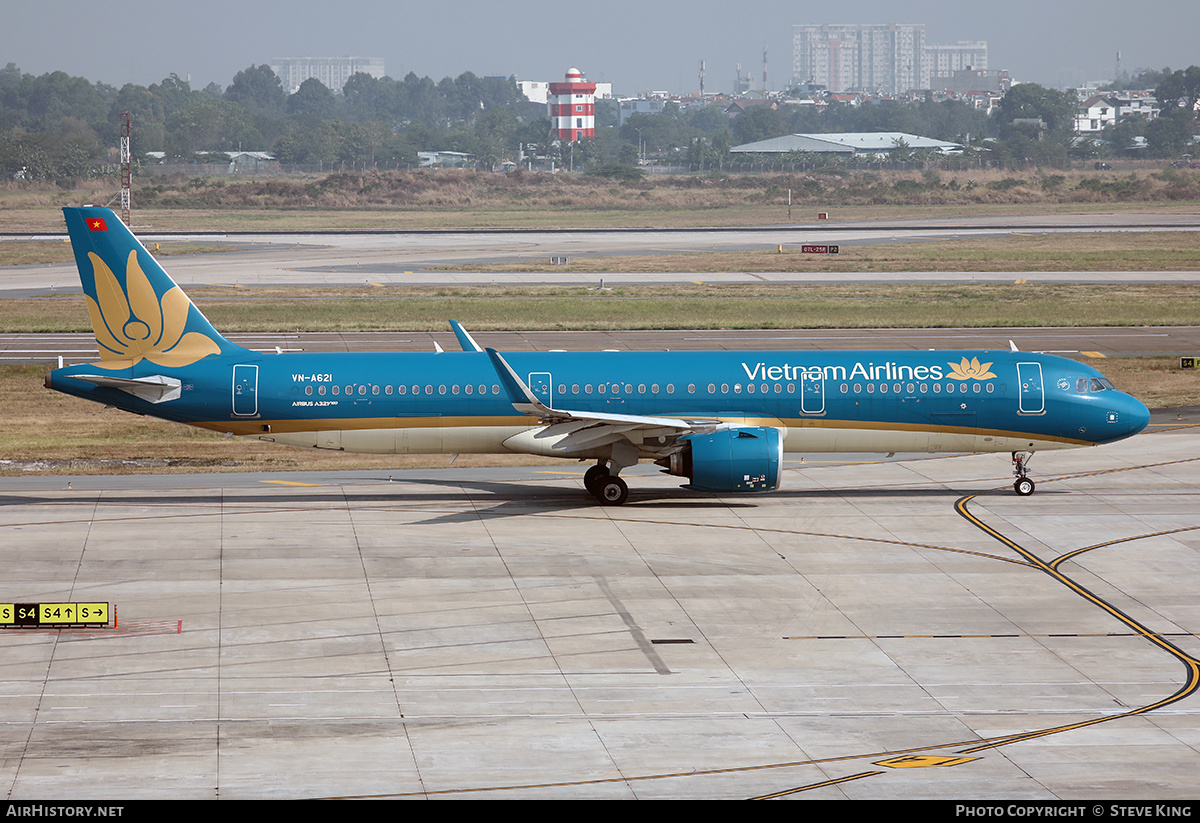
573	107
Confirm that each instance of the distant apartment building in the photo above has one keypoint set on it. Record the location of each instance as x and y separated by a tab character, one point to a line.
890	58
333	72
944	61
887	58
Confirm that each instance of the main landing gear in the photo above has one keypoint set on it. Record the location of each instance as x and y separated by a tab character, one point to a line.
609	489
1022	485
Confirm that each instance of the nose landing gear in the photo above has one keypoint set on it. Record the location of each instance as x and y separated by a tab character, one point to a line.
1022	485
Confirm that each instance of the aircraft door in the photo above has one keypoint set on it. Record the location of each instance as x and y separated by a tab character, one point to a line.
245	391
812	394
1032	396
542	387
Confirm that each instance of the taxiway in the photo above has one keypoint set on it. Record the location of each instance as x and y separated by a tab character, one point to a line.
877	629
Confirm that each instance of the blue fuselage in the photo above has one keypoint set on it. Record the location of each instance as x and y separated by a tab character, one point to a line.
879	401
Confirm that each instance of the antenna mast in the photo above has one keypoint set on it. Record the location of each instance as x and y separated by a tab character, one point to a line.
126	167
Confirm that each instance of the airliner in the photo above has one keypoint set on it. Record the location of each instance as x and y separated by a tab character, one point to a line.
723	420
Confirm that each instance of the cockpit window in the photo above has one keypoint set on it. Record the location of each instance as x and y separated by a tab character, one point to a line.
1091	385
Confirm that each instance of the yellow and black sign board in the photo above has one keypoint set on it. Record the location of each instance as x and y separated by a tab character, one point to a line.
1188	362
30	615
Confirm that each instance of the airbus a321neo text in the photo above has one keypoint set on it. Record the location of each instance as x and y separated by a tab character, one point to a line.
721	419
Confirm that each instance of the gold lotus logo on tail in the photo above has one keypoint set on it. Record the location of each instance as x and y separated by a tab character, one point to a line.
970	370
134	323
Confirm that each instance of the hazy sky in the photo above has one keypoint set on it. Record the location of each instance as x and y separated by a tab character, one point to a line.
636	46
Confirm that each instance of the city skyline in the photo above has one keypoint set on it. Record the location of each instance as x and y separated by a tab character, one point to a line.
637	47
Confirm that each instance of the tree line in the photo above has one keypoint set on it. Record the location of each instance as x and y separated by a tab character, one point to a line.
55	126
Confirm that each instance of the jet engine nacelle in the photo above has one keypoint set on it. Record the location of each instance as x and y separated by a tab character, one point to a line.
730	460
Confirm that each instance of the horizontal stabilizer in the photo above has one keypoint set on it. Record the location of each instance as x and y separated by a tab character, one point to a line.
153	389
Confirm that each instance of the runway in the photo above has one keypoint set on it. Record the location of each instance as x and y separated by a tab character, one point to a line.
901	629
413	258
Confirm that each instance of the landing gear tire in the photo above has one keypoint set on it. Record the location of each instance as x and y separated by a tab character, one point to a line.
611	491
1024	486
592	478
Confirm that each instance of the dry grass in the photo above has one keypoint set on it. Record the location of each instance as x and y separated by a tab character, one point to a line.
693	306
467	199
1015	252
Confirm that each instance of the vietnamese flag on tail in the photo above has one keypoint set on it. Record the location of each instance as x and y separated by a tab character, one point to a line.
97	224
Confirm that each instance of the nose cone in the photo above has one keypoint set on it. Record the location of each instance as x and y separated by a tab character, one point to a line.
1137	415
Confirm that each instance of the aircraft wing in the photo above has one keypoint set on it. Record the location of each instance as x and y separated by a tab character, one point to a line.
581	431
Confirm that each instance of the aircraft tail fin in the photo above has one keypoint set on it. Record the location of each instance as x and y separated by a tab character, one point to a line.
137	310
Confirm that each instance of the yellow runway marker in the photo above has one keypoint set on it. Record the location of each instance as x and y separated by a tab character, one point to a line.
1094	354
290	483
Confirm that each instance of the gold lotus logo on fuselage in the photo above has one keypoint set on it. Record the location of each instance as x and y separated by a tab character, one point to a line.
970	370
134	323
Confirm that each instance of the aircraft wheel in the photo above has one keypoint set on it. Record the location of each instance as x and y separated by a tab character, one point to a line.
1024	486
612	491
593	476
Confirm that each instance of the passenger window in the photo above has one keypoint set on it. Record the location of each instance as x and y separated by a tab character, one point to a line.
670	388
308	389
